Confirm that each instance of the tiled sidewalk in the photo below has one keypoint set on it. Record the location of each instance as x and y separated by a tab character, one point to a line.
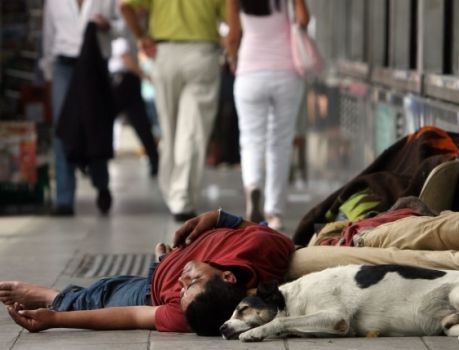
48	251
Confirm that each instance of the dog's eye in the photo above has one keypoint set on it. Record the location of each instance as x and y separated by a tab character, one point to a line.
242	309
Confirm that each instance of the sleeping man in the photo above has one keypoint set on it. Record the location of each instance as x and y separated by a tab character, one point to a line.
195	286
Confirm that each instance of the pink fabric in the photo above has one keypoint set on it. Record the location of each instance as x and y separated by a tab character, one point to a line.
265	43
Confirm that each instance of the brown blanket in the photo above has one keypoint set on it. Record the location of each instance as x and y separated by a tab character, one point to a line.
398	172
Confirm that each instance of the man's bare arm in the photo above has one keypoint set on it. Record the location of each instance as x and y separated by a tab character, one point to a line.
145	42
195	227
302	13
129	317
132	20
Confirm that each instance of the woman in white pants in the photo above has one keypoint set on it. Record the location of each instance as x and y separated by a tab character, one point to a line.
268	93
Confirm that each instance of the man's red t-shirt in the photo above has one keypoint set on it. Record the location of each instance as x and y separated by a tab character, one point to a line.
261	252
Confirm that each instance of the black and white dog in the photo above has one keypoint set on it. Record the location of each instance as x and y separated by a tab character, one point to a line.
353	300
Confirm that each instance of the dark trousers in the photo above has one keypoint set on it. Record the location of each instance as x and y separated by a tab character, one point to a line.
128	99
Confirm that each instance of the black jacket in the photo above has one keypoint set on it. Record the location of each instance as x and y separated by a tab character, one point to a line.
86	122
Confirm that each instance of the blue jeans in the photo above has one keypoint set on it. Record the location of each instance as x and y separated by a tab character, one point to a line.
107	292
65	171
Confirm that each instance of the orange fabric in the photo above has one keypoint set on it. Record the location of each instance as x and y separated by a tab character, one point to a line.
444	142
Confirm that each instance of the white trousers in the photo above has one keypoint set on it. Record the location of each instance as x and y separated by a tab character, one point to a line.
187	79
267	104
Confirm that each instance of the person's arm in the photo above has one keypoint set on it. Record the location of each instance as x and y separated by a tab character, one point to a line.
117	24
195	227
48	40
102	22
301	13
145	42
129	317
235	33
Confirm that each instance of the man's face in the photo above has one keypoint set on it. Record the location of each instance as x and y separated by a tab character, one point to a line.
193	279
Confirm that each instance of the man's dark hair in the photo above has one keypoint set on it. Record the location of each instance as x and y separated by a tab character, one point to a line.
258	7
211	308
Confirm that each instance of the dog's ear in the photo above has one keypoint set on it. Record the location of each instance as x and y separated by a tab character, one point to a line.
265	289
269	292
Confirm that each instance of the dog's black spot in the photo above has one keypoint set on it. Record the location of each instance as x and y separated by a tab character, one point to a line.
255	302
370	275
269	292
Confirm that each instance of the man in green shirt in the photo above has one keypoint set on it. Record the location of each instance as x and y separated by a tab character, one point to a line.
183	39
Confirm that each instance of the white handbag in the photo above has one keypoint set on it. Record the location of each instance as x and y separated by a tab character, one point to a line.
306	56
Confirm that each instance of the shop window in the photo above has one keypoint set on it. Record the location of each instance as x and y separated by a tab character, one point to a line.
432	23
356	31
452	37
378	29
403	34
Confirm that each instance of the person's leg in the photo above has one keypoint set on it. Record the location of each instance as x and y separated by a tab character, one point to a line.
229	130
417	233
196	114
29	295
168	85
107	292
287	90
253	104
98	170
150	105
136	112
64	171
299	143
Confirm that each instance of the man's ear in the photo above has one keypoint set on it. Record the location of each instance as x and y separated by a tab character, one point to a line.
229	277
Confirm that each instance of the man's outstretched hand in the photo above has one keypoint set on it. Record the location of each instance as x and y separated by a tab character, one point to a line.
193	228
32	320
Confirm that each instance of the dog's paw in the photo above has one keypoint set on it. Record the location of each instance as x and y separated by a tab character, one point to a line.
251	336
449	321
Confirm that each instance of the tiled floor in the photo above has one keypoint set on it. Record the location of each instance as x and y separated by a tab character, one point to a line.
47	251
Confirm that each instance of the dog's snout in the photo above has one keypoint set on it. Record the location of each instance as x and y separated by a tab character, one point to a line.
224	330
227	332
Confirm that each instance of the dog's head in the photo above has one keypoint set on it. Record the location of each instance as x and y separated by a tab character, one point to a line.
254	310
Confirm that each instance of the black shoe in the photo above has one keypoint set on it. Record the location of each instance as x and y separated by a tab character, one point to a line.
104	201
63	211
253	198
182	217
153	169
